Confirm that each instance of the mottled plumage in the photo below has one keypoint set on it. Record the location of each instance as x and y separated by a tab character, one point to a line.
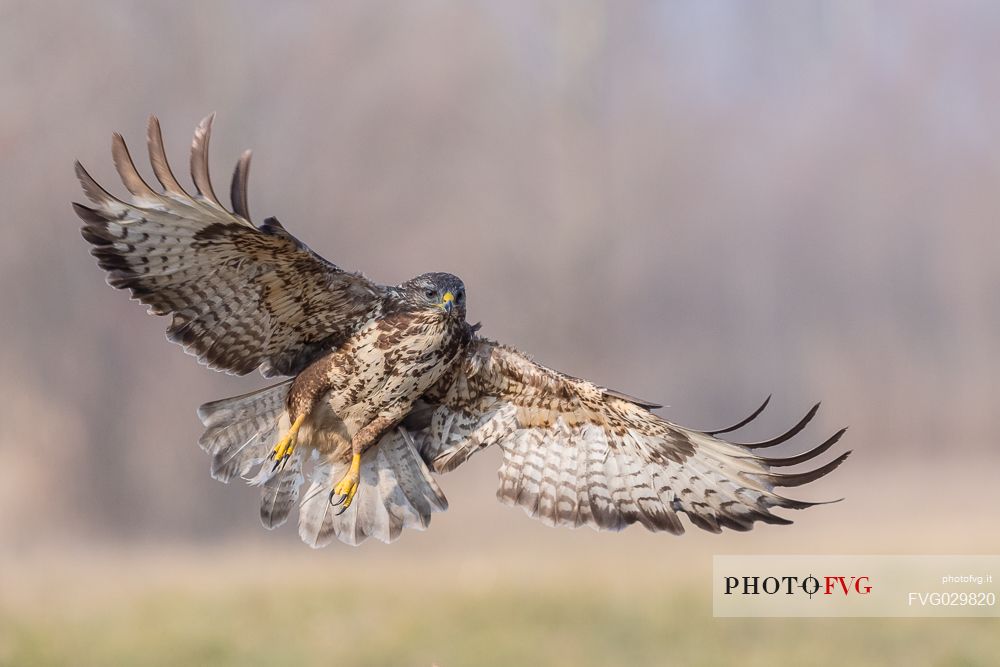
391	384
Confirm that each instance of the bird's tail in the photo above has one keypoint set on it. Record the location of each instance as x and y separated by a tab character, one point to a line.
240	433
397	491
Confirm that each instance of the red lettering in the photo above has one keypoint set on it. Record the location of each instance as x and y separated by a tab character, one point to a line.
831	583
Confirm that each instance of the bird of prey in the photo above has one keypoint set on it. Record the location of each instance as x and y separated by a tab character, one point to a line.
389	384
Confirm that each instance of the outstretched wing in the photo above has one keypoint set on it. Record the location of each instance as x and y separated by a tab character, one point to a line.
577	454
242	297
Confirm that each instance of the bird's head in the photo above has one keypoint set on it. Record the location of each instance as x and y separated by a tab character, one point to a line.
439	292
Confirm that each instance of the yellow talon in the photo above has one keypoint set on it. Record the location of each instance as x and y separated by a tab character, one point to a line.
348	485
286	445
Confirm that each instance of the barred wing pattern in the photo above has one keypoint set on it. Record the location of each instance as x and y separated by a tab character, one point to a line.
577	454
242	297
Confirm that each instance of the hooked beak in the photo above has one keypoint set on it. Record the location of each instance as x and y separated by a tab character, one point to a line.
447	302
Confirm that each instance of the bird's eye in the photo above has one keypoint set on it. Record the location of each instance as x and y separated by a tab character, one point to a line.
461	296
430	294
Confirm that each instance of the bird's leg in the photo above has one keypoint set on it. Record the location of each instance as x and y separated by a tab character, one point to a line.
286	446
307	389
344	491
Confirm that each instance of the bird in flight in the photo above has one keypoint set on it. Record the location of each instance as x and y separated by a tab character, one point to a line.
387	385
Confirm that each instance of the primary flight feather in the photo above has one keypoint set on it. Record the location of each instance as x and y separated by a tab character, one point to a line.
390	384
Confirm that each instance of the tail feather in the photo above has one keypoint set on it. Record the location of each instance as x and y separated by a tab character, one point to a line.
280	493
412	472
240	431
396	492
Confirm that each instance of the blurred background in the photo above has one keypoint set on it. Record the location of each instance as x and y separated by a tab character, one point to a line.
697	203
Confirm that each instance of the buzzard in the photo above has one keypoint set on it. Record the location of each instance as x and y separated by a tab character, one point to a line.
390	384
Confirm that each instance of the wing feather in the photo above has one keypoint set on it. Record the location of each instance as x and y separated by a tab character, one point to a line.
238	189
158	160
575	453
241	297
142	193
199	160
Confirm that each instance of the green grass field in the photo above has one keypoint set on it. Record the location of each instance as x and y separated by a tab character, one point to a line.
199	609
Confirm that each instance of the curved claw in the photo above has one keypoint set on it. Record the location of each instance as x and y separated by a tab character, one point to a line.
284	448
280	455
343	500
343	491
